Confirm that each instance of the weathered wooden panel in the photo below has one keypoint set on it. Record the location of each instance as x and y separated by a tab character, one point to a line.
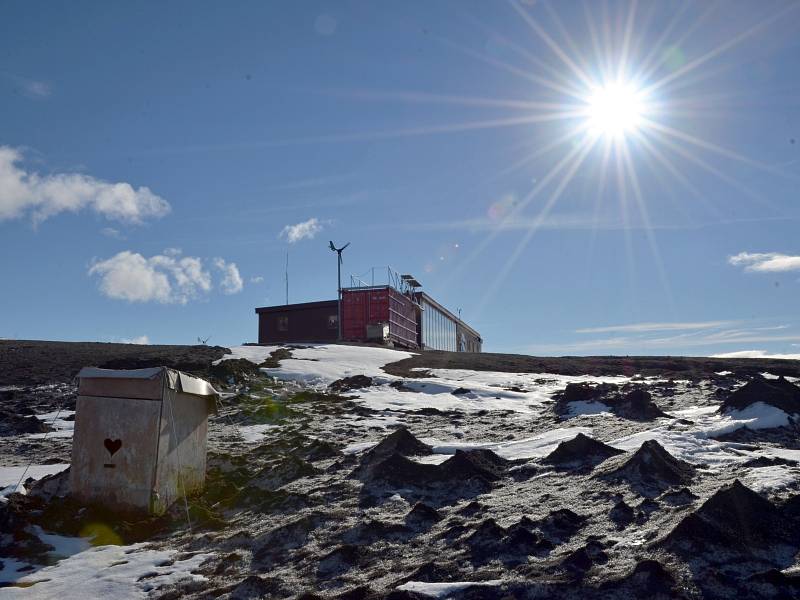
146	389
114	451
181	449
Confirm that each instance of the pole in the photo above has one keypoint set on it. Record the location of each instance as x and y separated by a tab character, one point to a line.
339	273
286	277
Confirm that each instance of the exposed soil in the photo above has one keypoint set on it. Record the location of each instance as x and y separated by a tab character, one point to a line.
678	367
300	512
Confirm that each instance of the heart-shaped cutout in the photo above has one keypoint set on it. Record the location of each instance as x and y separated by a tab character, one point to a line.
112	445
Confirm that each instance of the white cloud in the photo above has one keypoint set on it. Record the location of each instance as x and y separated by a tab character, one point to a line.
112	233
647	327
300	231
257	279
167	278
756	354
142	340
35	89
24	193
765	262
231	280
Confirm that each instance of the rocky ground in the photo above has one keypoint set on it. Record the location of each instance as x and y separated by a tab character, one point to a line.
356	472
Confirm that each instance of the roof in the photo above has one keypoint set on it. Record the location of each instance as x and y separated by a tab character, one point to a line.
297	306
176	380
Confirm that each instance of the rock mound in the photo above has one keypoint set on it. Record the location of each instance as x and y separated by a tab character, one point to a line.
422	515
652	469
467	464
735	518
400	471
560	525
514	544
581	450
355	382
400	442
11	424
779	393
636	405
648	579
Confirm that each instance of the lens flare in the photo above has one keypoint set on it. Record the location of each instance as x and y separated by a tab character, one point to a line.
615	109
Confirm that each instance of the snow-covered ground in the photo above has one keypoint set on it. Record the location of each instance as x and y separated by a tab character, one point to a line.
13	478
113	572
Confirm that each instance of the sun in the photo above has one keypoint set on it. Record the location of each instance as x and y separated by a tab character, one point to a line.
615	109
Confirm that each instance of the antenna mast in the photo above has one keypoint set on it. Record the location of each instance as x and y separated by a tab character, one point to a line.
339	282
286	277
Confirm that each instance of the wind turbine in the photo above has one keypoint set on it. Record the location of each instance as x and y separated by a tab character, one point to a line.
339	273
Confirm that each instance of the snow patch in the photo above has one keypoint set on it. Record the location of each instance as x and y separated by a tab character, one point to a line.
9	476
583	407
444	590
119	572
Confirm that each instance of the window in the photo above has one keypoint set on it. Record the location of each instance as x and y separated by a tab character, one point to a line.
333	321
283	323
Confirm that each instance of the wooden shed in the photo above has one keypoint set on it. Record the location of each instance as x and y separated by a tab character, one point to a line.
140	437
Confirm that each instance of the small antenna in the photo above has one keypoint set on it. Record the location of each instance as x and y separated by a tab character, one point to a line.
286	277
203	341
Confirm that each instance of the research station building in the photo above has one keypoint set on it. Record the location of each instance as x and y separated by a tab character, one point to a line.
397	314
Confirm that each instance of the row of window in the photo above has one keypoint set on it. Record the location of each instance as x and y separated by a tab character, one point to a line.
438	330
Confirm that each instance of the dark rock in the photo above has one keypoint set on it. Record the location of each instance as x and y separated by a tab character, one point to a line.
652	469
339	560
560	525
253	587
584	558
235	369
622	514
490	541
468	464
581	451
769	461
735	518
346	384
649	579
779	393
586	392
400	442
461	391
401	471
11	424
422	514
679	497
636	405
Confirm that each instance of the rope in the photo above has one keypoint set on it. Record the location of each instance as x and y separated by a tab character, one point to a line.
172	393
58	412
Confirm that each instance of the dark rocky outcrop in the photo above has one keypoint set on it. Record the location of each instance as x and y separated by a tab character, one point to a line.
779	393
514	544
422	515
466	464
581	450
636	405
560	525
652	470
346	384
11	424
736	519
648	579
400	441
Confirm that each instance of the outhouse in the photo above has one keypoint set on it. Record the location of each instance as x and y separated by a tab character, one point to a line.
140	437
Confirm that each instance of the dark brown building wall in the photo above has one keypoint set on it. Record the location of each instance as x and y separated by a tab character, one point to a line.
306	322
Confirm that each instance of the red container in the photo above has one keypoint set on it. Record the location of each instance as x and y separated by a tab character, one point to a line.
374	305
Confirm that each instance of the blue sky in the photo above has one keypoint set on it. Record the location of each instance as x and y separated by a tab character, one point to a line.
158	160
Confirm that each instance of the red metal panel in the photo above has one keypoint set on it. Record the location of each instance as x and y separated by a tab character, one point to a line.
362	307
